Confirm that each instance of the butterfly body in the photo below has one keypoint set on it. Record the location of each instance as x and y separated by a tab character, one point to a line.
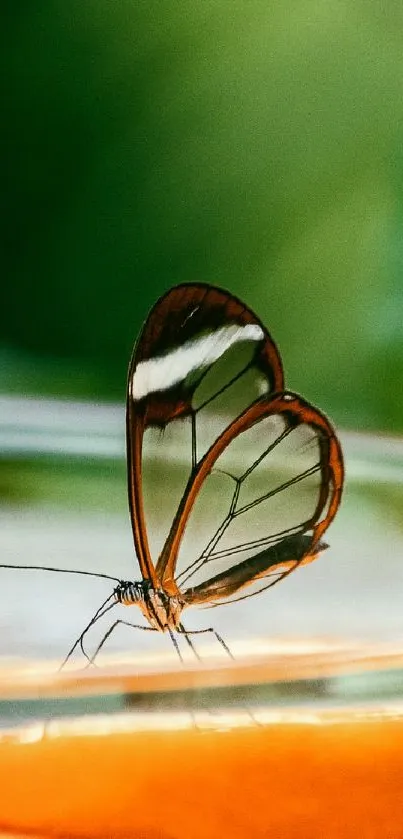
161	610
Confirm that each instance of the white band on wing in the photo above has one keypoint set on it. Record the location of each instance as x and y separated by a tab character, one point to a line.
165	371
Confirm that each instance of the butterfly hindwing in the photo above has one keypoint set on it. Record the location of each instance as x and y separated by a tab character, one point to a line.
281	474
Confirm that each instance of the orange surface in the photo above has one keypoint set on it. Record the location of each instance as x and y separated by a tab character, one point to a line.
291	661
272	771
312	774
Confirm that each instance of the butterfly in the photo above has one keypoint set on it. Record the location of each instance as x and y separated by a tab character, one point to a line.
213	435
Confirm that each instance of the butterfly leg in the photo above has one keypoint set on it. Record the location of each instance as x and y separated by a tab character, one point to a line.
112	629
176	645
183	631
187	632
105	607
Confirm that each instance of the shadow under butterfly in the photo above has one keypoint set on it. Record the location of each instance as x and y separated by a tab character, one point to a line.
264	468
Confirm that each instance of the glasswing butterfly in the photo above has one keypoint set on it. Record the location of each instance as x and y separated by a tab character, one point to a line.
257	464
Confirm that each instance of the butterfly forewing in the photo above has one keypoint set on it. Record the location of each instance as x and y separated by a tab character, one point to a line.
201	356
167	463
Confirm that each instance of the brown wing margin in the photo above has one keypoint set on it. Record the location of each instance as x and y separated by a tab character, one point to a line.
177	317
134	437
277	562
297	411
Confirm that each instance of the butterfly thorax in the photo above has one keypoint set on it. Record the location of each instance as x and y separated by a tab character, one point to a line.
162	611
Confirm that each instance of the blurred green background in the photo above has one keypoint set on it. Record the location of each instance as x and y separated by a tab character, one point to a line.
255	145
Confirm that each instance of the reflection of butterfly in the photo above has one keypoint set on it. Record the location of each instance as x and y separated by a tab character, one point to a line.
212	433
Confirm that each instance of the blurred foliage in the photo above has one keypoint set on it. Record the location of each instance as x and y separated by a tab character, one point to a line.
252	145
88	485
66	483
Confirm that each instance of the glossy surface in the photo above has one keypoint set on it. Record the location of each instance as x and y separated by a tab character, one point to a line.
311	773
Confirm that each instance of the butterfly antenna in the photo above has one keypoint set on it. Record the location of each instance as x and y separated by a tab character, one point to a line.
61	571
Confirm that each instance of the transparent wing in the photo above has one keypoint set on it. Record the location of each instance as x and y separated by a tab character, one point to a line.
266	492
202	356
